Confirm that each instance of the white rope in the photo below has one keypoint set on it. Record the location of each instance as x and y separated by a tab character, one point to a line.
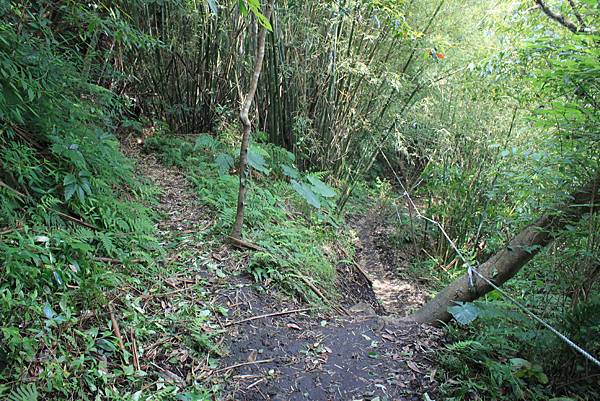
473	271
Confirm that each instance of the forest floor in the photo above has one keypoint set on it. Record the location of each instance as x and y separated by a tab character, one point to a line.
273	347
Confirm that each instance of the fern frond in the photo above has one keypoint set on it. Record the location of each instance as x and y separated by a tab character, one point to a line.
27	392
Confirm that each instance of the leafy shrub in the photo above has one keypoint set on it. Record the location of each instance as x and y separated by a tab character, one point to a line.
68	199
486	360
503	355
276	218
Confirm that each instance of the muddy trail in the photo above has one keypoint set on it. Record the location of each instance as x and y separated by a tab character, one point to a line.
277	349
385	263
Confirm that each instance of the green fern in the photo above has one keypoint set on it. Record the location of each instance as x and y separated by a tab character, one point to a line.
27	392
465	345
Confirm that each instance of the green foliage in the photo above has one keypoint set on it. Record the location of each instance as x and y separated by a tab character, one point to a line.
464	312
483	362
79	184
276	218
68	199
489	137
320	187
254	7
307	193
493	356
507	135
24	393
256	160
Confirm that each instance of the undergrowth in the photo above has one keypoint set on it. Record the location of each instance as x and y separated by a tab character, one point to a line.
506	356
298	239
75	226
502	354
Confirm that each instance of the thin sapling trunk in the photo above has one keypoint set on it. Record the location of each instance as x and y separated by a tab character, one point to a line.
236	232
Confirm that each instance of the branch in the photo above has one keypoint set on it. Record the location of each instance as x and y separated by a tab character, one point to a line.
75	220
115	327
240	243
561	19
507	262
577	14
243	364
20	195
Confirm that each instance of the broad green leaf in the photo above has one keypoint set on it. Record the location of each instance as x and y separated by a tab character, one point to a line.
290	171
106	345
321	188
69	179
464	313
70	191
520	363
260	150
257	162
85	184
214	6
48	312
205	141
304	191
80	193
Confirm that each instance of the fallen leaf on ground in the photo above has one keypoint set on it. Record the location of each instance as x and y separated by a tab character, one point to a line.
293	326
413	366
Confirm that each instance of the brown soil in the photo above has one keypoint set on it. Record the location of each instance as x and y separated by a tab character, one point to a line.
385	263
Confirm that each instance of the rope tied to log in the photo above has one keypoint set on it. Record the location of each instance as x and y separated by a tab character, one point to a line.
472	272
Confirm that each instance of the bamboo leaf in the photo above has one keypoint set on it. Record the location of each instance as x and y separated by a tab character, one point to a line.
214	6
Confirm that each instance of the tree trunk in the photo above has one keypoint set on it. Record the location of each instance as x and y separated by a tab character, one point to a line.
236	232
507	262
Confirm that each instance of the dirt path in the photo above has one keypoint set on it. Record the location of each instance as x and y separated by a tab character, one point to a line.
305	355
385	264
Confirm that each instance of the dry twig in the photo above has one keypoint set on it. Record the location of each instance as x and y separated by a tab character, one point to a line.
361	271
243	364
313	288
76	220
243	244
116	327
266	315
136	359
